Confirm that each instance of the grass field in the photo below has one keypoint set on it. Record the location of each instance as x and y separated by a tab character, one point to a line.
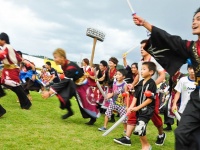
41	128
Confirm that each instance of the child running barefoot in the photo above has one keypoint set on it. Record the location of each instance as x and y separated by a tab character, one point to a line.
144	102
117	102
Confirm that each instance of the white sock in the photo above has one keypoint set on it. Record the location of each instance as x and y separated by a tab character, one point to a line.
160	136
128	138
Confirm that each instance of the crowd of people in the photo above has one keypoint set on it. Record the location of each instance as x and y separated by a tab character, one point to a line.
139	91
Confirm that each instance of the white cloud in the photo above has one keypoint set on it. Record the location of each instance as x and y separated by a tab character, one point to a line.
40	27
18	17
25	28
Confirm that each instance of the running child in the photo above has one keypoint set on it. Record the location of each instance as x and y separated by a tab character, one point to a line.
144	104
117	102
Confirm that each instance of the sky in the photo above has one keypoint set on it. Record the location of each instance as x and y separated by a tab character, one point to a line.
39	27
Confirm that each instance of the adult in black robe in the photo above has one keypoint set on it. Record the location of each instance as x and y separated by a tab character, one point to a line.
172	52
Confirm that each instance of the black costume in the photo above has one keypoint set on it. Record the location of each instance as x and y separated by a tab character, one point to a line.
172	52
145	113
77	87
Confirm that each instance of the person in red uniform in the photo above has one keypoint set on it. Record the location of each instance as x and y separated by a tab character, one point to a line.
10	73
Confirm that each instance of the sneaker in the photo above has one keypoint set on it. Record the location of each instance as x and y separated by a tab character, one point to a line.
67	115
27	107
160	141
123	141
102	129
91	122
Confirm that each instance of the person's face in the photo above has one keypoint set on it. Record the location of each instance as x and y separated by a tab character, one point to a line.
58	59
119	76
191	72
111	64
47	66
83	63
93	68
134	69
43	70
2	42
196	24
145	71
143	52
102	67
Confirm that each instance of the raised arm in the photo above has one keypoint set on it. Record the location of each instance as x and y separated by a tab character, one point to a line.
124	60
139	21
170	51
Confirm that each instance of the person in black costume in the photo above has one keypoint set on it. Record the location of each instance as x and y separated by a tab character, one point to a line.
172	52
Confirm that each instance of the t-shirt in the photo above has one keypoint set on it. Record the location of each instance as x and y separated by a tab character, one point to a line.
118	90
53	71
185	86
158	67
150	85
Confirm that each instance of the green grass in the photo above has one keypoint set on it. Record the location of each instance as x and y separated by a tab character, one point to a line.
41	128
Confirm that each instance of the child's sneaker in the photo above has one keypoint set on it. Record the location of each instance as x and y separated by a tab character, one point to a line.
160	140
102	129
123	141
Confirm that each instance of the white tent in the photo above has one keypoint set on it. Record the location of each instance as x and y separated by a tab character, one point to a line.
39	62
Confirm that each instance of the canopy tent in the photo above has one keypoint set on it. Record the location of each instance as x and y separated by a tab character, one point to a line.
53	65
39	62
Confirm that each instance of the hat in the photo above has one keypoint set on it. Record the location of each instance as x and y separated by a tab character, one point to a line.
4	36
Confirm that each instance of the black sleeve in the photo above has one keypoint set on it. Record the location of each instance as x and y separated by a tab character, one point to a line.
128	69
153	88
65	88
52	71
61	85
170	51
75	72
70	73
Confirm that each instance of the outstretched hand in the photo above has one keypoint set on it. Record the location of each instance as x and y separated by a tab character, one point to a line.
139	21
124	55
45	94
